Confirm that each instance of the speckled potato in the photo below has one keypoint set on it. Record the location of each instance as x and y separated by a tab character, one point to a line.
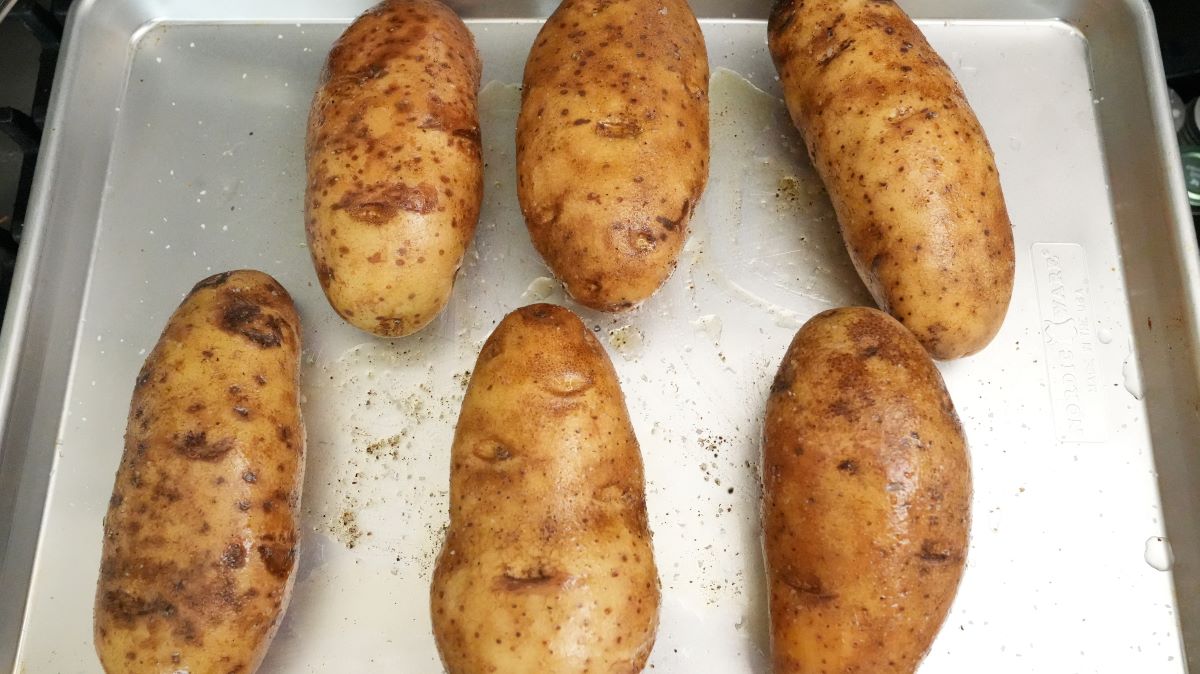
395	172
612	144
911	175
200	540
547	565
866	499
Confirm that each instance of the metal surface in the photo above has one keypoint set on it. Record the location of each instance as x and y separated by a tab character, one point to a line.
175	150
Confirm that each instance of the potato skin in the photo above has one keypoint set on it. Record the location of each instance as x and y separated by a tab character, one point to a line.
911	175
200	540
395	171
612	144
866	498
547	564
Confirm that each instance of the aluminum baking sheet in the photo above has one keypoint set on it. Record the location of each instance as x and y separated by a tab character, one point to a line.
176	151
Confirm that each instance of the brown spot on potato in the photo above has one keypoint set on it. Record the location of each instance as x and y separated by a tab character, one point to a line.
619	127
234	556
933	553
125	607
471	135
195	445
247	319
277	558
809	589
214	281
830	55
379	203
533	579
784	378
848	466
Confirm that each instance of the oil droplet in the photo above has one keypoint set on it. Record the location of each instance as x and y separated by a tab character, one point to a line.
1158	553
1104	335
627	340
539	289
1132	375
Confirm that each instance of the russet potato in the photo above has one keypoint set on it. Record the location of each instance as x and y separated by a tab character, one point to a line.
395	168
866	498
201	535
612	144
547	564
906	163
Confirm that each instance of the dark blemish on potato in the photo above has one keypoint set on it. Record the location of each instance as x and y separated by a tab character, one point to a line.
144	376
125	607
212	281
666	222
194	407
930	554
247	319
619	127
811	590
249	476
324	274
241	411
195	445
581	121
378	203
234	556
277	559
848	466
784	378
243	505
832	55
842	408
260	380
530	580
390	325
432	122
471	135
782	16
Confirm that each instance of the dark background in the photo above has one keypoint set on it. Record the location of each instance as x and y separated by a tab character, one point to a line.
1179	36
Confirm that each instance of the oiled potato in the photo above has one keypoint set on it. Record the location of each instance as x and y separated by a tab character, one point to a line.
201	534
612	144
907	166
547	564
395	173
866	498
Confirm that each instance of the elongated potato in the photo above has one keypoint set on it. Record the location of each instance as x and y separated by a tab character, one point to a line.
907	166
612	144
866	498
395	172
201	535
547	564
